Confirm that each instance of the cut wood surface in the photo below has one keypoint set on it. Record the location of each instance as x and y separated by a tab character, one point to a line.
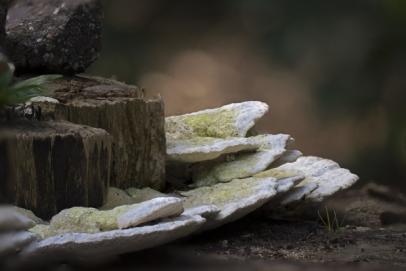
135	122
49	166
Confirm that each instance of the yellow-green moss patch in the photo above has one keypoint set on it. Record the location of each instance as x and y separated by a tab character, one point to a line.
219	124
42	230
278	173
82	219
222	193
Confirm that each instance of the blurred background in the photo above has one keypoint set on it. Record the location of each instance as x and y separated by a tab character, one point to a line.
333	72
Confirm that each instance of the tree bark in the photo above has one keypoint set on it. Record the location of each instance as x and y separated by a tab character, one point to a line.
53	36
49	166
136	123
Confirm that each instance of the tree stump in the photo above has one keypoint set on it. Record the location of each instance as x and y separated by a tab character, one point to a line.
49	166
136	123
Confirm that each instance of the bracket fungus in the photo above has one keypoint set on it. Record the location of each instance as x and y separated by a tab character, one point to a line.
232	174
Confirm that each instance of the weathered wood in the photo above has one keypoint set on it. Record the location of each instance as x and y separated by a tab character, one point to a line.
49	166
136	124
53	36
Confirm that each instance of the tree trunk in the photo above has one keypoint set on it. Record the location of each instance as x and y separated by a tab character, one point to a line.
49	166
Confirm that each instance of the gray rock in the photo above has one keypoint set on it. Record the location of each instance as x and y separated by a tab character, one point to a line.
54	36
149	211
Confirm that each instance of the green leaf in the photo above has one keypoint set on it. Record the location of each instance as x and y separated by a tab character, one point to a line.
37	81
6	74
24	90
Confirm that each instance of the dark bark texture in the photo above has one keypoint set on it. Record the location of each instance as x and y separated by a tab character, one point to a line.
136	123
3	15
53	36
49	166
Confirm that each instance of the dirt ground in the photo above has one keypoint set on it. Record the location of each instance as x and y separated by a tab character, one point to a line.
371	235
261	243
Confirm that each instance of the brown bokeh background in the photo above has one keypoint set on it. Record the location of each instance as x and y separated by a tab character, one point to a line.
333	72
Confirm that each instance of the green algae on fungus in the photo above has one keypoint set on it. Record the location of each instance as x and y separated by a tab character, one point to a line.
278	173
107	220
214	124
91	220
177	129
220	124
76	219
233	120
82	219
42	230
244	165
221	194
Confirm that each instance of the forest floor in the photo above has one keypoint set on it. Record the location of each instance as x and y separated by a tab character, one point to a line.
371	235
261	244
